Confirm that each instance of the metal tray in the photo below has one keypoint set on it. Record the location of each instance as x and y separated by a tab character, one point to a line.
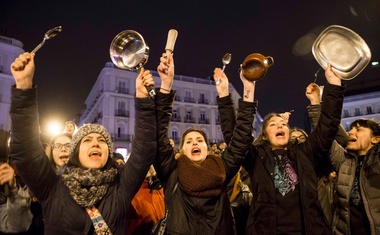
344	49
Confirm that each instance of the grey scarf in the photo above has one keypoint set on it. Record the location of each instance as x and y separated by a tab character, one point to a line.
87	187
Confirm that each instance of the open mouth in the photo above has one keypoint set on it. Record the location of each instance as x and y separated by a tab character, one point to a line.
195	151
64	158
95	154
280	133
351	140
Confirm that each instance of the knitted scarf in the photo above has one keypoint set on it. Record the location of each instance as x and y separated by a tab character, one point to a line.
204	180
87	187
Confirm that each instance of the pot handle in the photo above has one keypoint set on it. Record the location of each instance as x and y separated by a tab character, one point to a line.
269	60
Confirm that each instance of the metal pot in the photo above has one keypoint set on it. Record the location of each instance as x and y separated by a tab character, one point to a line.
255	66
128	50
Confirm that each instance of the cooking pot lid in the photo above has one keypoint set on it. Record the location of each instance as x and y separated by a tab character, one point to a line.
344	49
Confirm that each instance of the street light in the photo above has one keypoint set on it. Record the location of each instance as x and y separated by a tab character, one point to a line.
54	128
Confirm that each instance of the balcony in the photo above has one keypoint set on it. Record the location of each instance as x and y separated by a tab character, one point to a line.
121	113
189	120
189	99
176	119
202	101
203	121
122	90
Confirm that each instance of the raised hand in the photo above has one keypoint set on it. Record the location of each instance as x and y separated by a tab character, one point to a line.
313	93
249	88
221	82
23	70
332	77
144	79
166	71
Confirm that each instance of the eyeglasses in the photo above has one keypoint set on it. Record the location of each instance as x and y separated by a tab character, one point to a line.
300	138
59	146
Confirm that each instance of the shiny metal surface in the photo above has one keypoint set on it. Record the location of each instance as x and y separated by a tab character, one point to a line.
344	49
49	34
128	50
226	60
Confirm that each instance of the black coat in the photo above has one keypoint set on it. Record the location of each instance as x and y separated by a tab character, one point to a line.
260	165
195	215
62	215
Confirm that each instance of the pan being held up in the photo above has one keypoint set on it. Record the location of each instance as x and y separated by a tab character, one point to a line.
129	50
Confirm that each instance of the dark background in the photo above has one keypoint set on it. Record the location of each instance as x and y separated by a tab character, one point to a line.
68	65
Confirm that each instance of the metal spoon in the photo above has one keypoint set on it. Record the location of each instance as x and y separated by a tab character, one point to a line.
316	75
49	34
225	60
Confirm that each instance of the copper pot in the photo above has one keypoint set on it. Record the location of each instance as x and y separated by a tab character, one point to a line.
255	66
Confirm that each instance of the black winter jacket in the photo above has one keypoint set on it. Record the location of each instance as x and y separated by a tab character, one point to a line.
62	215
194	215
260	164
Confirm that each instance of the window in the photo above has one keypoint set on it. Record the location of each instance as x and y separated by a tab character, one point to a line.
202	98
189	115
122	88
175	136
203	115
369	110
345	113
188	97
121	106
175	114
357	111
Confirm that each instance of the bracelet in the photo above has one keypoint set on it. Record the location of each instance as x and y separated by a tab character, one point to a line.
165	89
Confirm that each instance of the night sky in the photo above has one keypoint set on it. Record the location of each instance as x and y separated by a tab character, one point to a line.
68	65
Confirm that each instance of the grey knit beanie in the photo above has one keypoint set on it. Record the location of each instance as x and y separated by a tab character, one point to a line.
87	129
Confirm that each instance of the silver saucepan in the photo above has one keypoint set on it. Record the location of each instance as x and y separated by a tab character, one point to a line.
128	50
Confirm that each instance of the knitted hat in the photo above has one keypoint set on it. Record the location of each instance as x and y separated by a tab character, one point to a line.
87	129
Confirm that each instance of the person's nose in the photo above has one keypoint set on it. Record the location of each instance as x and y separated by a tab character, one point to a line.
95	143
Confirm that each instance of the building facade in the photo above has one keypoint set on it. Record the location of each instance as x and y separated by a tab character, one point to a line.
360	106
10	49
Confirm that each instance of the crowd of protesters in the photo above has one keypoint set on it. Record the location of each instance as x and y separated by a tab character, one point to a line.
284	181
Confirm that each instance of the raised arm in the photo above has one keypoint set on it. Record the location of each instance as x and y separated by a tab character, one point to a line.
242	137
314	109
165	160
226	106
26	149
144	145
329	120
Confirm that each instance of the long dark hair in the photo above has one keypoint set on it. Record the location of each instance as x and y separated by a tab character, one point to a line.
263	136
